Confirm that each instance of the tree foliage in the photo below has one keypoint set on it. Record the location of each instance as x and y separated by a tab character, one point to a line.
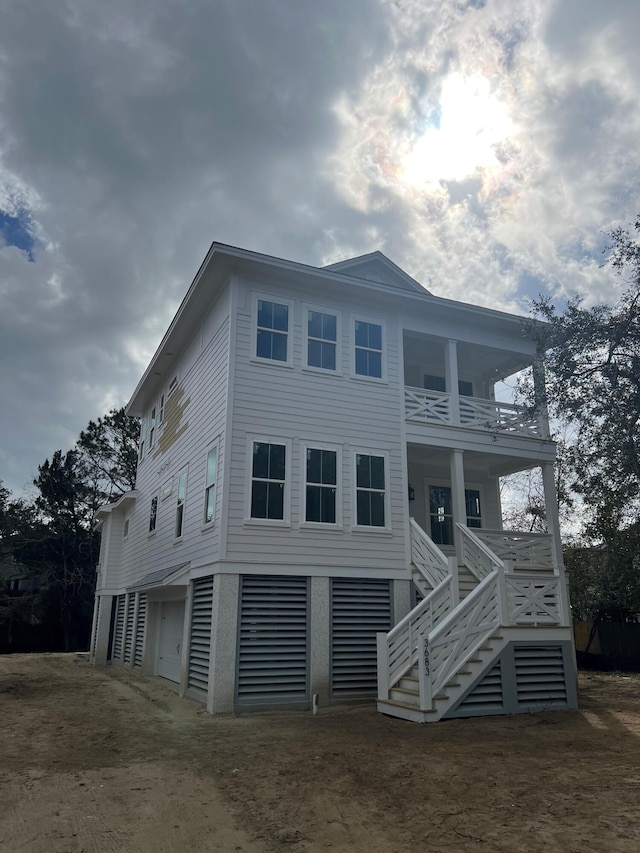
593	382
51	539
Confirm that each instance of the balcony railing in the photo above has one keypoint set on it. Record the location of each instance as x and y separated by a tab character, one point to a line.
435	407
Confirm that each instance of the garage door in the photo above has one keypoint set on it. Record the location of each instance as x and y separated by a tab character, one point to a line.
170	645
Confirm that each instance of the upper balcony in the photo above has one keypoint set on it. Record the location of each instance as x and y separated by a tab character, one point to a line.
450	383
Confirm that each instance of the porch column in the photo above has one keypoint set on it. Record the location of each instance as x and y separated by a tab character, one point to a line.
451	378
551	509
540	395
458	504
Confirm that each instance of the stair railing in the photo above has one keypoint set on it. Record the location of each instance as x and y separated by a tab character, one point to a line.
458	636
398	650
432	565
475	555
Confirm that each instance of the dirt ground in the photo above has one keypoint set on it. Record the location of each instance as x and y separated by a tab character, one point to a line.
103	760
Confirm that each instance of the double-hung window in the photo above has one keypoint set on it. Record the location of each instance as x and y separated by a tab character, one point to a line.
153	514
268	480
272	333
322	340
321	475
368	349
370	490
210	485
180	499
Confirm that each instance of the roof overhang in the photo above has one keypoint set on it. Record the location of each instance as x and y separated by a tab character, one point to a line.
170	576
103	512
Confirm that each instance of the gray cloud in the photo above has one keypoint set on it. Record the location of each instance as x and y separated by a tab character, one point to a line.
135	134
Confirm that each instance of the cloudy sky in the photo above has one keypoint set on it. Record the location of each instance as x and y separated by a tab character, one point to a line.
483	146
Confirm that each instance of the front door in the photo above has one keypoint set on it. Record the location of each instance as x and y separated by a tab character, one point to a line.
170	643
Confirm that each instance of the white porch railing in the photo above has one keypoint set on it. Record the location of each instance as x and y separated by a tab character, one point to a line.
526	550
427	558
427	406
533	601
434	407
398	650
475	555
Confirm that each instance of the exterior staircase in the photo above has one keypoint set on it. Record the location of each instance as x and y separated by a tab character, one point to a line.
443	648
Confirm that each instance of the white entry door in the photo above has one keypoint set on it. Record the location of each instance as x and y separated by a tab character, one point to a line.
170	645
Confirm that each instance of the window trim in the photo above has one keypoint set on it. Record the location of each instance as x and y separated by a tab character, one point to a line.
180	503
152	427
270	297
320	525
288	464
206	525
377	321
126	527
365	528
322	309
151	530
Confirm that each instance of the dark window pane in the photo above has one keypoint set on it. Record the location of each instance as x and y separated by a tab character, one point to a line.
329	324
275	500
440	500
329	467
259	499
314	356
263	347
362	364
314	466
377	509
265	314
315	324
328	357
277	461
472	501
434	383
375	336
375	365
377	472
328	506
474	522
441	530
465	388
260	460
278	347
313	503
363	515
362	334
363	472
210	497
280	317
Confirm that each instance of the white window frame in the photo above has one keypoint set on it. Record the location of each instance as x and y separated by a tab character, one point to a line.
152	427
270	297
361	318
126	527
172	385
215	446
180	503
141	440
322	309
151	530
288	464
370	451
161	408
320	525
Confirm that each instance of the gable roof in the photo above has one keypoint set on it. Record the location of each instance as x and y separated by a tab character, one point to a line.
377	267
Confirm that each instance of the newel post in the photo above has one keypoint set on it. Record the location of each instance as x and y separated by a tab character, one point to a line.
503	600
455	580
383	666
425	680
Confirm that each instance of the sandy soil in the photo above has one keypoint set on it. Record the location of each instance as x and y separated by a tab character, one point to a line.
96	760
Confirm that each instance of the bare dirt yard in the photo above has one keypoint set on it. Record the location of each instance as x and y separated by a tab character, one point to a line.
103	760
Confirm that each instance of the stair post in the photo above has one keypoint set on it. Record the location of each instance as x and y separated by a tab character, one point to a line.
455	581
503	601
424	674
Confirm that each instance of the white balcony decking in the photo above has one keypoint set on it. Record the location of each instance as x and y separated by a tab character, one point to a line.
439	408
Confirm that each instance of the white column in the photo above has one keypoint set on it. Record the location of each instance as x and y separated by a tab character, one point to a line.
459	507
451	378
551	509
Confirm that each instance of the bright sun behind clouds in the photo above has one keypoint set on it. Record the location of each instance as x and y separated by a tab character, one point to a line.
472	122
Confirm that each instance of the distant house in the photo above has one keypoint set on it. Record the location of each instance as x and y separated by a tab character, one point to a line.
317	510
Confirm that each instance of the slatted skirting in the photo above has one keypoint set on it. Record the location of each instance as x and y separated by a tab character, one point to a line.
273	668
540	677
359	609
200	636
118	629
141	624
485	698
128	628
